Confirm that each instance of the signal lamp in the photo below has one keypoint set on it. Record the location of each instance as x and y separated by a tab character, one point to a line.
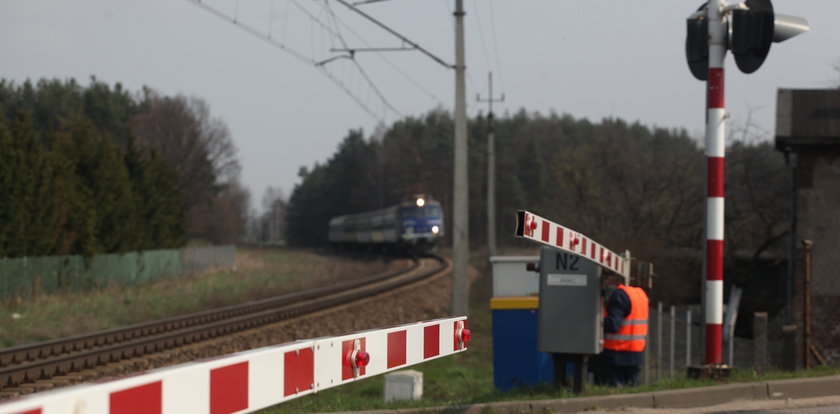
362	359
750	27
465	336
462	335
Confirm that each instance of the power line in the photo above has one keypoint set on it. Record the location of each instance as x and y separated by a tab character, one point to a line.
392	65
496	44
358	3
331	27
360	69
282	46
393	32
484	41
481	34
250	30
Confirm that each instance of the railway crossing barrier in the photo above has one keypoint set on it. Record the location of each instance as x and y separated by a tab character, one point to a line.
533	227
570	306
248	381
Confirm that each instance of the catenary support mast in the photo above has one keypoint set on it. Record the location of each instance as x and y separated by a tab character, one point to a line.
460	219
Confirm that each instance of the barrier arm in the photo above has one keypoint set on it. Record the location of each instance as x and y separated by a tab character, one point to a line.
248	381
533	227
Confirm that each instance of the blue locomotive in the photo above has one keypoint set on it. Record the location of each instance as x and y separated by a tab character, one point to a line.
414	226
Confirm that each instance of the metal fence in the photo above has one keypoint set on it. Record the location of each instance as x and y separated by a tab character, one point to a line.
675	342
197	259
26	277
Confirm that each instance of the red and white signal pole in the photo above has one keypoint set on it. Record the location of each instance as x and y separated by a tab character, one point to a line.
747	28
715	151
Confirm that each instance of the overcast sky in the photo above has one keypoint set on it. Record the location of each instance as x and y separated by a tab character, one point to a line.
591	58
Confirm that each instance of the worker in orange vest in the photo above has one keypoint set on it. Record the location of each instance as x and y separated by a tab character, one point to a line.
625	330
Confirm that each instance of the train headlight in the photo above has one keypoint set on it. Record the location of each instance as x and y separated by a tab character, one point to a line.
435	229
421	202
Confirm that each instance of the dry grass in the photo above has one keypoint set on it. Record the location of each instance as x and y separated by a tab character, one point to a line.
259	273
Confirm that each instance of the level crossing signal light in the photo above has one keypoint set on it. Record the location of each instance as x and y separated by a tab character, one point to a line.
746	29
751	27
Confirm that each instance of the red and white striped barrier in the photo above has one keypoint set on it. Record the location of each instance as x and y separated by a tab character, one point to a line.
534	227
248	381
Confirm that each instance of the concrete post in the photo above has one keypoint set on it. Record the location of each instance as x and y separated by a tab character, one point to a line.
789	355
760	342
403	385
460	209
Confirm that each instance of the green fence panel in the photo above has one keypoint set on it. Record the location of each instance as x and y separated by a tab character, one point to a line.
26	277
163	264
14	279
43	274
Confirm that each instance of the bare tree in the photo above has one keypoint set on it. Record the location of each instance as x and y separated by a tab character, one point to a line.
229	214
199	148
215	138
757	186
273	220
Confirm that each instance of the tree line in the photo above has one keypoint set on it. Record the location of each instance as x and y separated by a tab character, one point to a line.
627	185
99	169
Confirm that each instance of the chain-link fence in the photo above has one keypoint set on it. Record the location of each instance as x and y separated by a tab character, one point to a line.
29	276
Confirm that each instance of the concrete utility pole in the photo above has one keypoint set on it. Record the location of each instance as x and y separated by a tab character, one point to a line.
460	219
491	168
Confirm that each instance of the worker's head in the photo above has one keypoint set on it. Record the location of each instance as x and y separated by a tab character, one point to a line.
609	282
610	279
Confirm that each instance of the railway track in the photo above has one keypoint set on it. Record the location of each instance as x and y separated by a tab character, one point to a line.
28	364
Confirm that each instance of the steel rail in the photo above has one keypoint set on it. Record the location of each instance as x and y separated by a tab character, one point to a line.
40	361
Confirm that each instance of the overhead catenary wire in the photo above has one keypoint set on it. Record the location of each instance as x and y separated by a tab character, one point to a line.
316	19
280	45
324	27
359	3
392	65
361	70
393	32
337	33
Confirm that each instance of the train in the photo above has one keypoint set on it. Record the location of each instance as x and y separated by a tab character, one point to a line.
415	226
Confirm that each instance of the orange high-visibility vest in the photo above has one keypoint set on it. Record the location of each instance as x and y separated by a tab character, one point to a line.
631	336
